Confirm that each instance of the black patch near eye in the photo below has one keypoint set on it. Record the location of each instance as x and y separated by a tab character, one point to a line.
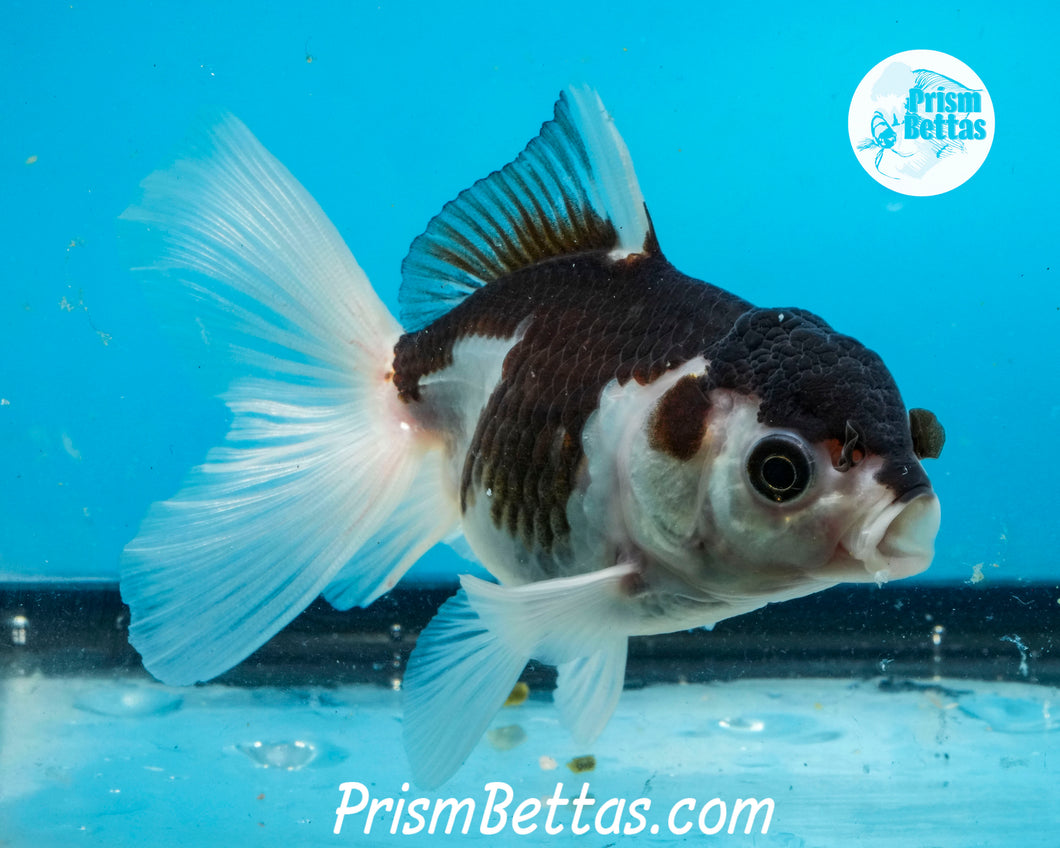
680	419
928	434
780	468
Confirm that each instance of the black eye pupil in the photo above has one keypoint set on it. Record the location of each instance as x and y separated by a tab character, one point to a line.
780	468
779	473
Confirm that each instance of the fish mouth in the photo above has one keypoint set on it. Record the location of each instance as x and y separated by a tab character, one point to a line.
897	541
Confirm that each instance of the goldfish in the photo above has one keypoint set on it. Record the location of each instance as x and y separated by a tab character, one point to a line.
627	450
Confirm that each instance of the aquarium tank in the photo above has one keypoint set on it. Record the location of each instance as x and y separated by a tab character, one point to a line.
667	545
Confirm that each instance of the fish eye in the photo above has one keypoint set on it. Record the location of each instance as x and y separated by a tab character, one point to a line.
780	468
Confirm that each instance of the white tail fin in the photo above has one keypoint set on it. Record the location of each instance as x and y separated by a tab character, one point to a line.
320	453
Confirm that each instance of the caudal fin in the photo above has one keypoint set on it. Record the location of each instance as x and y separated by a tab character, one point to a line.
321	453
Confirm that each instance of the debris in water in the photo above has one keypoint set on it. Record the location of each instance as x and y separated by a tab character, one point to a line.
520	692
1015	640
507	737
579	765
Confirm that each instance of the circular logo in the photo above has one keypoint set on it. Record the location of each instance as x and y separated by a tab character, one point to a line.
921	122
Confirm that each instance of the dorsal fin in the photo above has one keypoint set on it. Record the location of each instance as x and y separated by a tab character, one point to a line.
571	190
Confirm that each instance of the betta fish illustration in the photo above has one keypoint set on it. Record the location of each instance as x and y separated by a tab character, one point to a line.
883	137
626	450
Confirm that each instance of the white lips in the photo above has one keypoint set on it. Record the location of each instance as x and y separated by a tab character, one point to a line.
899	541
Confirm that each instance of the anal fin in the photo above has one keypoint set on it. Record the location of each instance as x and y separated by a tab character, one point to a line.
588	689
473	651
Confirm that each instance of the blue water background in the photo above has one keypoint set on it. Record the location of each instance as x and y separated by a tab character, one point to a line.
737	123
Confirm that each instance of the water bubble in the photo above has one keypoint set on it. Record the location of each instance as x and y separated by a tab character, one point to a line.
128	701
937	632
289	756
742	725
781	727
19	629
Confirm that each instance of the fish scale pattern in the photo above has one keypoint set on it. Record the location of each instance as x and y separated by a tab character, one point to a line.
819	382
591	321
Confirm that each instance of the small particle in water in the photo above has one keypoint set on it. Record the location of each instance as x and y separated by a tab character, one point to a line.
547	763
977	573
31	160
580	765
884	664
261	797
520	692
5	402
507	737
68	446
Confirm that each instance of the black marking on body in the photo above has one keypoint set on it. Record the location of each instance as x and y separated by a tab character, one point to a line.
592	321
680	419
